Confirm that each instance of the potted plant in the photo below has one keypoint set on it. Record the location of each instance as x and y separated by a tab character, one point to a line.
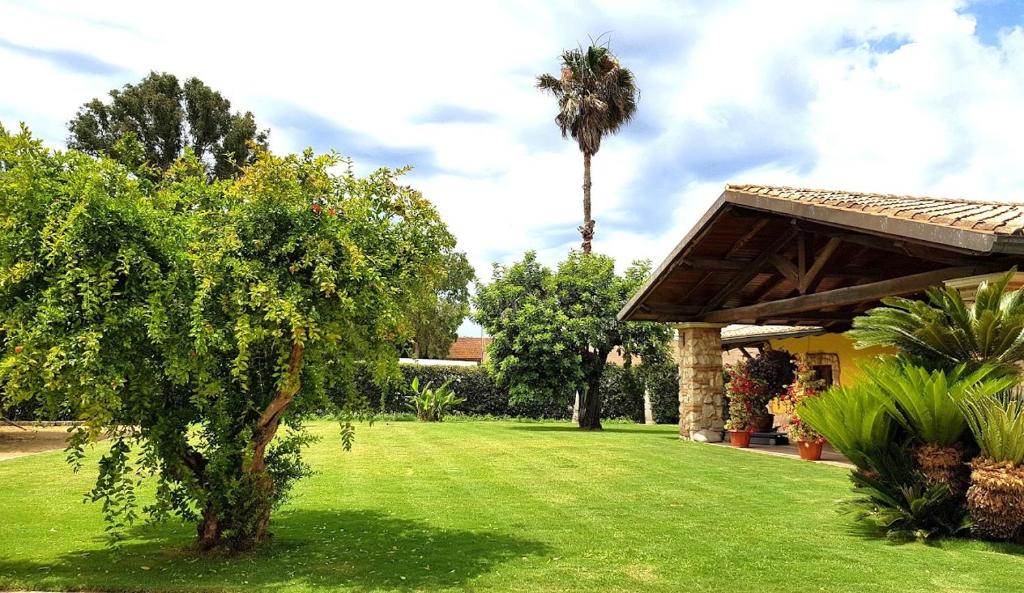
739	391
771	371
804	386
739	429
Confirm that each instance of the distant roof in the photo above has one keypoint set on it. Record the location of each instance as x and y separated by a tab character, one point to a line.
742	335
465	348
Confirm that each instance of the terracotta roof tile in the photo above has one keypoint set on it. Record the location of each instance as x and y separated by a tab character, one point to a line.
999	218
464	348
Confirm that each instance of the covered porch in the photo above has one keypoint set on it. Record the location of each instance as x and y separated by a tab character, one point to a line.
809	260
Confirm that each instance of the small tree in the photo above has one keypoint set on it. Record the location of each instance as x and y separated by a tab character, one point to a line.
435	318
167	117
553	330
195	320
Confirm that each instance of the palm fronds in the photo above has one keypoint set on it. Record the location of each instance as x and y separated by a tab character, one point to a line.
944	331
927	403
596	95
997	421
854	421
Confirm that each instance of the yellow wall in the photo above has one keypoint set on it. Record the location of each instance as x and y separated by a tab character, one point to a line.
833	344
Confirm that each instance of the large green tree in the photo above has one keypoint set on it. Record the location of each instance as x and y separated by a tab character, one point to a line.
553	329
167	117
192	319
435	318
596	97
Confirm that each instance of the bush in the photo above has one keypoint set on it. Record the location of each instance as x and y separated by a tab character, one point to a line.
663	382
622	392
775	369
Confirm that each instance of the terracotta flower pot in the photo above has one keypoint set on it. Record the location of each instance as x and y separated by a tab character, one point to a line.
811	451
739	438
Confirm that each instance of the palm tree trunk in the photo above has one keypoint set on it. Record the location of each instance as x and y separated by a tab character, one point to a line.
587	230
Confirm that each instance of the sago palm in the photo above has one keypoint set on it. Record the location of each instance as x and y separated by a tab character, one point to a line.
854	420
596	97
995	499
944	331
928	405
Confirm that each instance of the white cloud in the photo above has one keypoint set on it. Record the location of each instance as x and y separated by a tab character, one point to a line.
884	96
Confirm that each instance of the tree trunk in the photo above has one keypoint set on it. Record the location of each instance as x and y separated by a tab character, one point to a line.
590	398
209	529
248	518
576	408
590	406
587	230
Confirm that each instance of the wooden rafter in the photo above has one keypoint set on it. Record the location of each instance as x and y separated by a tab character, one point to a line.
810	278
740	279
849	295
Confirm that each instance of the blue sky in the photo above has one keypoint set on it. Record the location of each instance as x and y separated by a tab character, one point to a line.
914	96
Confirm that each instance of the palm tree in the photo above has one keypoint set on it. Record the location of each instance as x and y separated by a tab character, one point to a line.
596	96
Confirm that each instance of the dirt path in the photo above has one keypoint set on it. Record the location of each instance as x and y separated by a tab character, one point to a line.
15	442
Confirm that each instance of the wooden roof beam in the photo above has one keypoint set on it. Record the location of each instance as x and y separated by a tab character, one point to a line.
741	279
850	295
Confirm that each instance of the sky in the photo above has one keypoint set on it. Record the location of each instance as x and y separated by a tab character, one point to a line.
922	97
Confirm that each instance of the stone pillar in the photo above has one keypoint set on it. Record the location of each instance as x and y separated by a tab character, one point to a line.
699	356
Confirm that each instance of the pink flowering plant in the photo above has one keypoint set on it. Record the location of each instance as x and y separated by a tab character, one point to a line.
804	386
744	393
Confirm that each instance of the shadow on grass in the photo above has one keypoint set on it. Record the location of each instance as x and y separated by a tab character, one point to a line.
319	550
640	429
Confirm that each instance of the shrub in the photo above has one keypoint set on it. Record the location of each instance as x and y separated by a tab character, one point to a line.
853	420
662	382
775	370
623	393
944	331
432	404
746	395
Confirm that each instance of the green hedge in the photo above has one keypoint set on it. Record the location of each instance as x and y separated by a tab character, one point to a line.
622	390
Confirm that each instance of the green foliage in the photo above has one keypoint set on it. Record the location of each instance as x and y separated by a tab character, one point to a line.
622	393
944	332
166	118
553	330
893	500
436	317
596	95
621	389
203	314
853	419
997	422
431	404
928	404
775	370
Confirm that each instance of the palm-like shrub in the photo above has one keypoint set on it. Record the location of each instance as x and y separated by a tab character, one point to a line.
892	500
432	404
853	420
995	499
928	405
944	331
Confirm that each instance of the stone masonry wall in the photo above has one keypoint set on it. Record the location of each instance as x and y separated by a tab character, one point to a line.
699	356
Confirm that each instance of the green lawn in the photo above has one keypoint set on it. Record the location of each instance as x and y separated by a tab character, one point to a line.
504	506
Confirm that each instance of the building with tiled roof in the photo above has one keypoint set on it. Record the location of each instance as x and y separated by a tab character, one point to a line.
791	268
469	349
